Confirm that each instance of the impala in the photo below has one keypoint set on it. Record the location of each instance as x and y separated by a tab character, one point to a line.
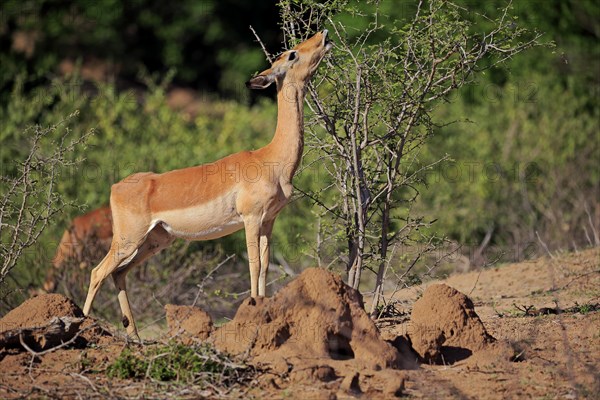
93	228
244	190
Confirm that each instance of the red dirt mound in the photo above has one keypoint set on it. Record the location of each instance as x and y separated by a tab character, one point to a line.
39	310
188	323
313	332
316	317
444	324
46	321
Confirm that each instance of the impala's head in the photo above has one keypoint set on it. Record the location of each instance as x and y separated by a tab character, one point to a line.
295	65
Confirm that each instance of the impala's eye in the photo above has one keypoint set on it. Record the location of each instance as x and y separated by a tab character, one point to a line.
292	56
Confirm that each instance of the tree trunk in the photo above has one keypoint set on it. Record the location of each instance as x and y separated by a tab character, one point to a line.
385	226
355	265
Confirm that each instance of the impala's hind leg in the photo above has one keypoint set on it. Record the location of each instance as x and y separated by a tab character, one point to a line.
117	255
157	240
119	278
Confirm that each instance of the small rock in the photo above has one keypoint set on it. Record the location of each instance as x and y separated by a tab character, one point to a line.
325	373
279	366
313	373
350	384
393	382
188	321
394	387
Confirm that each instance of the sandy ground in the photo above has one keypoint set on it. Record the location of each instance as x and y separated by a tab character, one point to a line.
561	352
558	355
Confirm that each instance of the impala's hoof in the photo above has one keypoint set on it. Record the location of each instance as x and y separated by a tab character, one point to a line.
134	338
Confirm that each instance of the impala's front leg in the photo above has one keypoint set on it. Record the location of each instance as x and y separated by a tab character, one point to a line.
265	239
252	227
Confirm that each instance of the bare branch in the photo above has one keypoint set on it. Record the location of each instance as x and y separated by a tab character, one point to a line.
262	45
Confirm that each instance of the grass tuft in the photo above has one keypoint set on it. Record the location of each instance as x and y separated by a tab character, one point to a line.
175	362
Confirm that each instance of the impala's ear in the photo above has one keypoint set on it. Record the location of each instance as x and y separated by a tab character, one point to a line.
260	81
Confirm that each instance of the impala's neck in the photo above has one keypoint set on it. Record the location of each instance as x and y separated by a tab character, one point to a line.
288	143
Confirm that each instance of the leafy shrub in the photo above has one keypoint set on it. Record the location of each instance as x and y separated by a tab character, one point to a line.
177	362
518	172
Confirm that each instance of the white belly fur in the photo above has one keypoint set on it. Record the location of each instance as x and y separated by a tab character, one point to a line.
210	220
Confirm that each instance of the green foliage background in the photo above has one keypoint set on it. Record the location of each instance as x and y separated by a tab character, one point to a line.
532	143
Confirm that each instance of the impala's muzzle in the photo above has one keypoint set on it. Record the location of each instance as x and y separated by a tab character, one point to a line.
326	42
